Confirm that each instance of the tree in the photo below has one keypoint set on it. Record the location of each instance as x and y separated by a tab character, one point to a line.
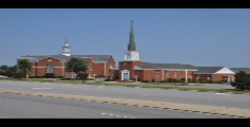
8	70
25	67
3	70
4	67
77	65
242	81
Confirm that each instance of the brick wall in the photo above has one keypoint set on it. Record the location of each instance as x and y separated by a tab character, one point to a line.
39	68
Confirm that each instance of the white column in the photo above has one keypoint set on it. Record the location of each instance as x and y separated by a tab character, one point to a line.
162	74
186	76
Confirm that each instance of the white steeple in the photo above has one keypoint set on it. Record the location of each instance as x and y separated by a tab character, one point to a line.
132	54
66	50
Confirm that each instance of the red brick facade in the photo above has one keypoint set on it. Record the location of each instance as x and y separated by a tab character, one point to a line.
151	75
95	69
162	74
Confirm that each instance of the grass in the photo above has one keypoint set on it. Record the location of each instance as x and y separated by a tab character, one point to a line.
143	85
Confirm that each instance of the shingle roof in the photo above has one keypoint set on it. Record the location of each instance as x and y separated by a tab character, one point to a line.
207	70
63	58
166	66
237	70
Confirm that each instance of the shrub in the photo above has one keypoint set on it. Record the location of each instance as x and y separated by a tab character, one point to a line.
178	81
18	75
145	81
83	76
59	76
202	81
164	81
36	76
49	75
65	78
171	80
210	81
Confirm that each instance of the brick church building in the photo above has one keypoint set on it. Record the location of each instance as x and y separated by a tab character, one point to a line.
99	65
132	68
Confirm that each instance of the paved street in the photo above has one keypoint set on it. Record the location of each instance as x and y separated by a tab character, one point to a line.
24	106
175	96
239	101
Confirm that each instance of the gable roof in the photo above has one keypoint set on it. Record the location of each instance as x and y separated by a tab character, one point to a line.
208	70
214	70
63	58
165	66
237	70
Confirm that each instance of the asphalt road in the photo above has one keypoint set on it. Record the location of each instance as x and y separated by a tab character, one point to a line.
241	101
26	106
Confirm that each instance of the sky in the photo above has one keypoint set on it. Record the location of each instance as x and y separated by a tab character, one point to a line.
200	37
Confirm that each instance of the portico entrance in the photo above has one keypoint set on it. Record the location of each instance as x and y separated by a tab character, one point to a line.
227	80
125	75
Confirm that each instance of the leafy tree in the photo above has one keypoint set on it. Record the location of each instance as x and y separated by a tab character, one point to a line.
8	71
77	65
4	67
12	68
242	81
25	67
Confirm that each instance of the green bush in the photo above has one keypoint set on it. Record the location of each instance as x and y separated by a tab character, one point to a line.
49	75
83	76
18	75
36	76
145	81
164	81
202	81
171	80
210	81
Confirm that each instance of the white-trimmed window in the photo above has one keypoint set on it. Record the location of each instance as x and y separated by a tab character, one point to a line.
166	74
157	74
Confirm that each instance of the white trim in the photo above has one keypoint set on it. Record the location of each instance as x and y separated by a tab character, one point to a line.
63	72
59	67
224	70
186	76
47	57
163	71
203	73
45	67
167	69
104	69
122	73
39	67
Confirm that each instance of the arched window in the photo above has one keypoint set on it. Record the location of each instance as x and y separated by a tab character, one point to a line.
50	68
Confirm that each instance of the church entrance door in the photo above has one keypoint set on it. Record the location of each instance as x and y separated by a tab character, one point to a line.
125	75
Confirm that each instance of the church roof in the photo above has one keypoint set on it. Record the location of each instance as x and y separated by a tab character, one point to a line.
237	70
165	66
208	70
63	58
132	45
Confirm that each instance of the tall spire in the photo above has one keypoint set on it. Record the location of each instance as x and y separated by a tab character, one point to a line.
66	50
132	45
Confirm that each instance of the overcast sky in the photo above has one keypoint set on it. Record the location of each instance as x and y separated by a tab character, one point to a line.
201	37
